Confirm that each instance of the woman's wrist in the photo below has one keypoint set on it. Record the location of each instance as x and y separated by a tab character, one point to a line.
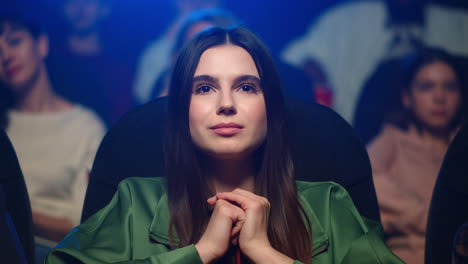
206	255
267	255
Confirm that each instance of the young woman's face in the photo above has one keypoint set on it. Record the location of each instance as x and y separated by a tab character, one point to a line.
85	15
434	96
227	109
20	57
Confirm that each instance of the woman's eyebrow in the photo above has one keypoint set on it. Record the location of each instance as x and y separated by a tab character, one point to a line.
211	79
204	78
246	78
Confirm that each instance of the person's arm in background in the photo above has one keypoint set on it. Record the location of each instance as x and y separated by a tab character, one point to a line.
50	227
346	52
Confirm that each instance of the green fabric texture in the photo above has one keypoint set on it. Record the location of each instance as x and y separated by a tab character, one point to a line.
133	228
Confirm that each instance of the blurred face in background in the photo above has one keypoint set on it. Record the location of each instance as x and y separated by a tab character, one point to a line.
84	16
434	96
21	57
188	6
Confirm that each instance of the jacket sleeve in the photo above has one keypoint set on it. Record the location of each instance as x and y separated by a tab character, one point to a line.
107	237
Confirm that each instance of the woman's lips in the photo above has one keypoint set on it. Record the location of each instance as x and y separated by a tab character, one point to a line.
439	113
10	72
226	129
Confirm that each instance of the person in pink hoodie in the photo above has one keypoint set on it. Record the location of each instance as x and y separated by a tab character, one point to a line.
408	152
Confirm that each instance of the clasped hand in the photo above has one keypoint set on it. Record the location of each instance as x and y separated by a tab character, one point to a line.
238	217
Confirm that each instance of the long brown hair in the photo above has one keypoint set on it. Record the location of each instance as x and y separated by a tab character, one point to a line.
289	229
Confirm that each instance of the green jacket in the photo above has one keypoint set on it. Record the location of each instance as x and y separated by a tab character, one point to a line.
133	228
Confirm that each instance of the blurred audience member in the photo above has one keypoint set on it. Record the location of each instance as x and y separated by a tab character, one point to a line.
351	39
196	22
55	140
84	67
379	95
157	57
406	156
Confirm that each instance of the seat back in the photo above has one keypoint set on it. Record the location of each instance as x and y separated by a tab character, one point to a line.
16	229
449	205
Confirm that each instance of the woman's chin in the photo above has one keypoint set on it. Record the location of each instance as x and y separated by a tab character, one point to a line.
229	154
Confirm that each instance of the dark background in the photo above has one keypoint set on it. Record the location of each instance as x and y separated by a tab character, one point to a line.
135	22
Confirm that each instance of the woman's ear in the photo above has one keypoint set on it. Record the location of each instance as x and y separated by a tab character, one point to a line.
43	45
406	99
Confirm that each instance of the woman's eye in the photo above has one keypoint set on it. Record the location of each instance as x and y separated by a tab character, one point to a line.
15	41
203	89
451	86
248	88
425	86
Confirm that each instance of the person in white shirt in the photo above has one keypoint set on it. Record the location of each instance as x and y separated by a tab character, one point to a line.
351	39
55	140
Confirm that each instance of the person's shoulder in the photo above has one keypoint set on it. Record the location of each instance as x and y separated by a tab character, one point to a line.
87	118
158	183
328	200
330	208
326	194
145	180
390	132
143	186
319	188
392	129
364	7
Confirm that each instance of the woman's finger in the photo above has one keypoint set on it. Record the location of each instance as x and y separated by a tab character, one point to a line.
234	212
249	194
245	202
237	227
212	200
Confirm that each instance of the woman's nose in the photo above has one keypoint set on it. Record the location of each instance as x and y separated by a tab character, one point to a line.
226	104
440	95
6	57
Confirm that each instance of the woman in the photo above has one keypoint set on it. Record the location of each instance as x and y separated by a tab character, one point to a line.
230	194
55	140
407	154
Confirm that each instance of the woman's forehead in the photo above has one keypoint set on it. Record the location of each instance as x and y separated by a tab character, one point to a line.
7	28
226	60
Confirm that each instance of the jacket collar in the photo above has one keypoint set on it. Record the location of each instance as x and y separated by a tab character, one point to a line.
159	231
159	228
